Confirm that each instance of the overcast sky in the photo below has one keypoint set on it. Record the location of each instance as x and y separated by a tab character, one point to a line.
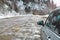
57	2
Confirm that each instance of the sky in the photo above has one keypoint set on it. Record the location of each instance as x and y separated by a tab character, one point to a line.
57	2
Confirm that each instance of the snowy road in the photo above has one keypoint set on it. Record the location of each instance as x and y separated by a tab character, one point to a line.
20	28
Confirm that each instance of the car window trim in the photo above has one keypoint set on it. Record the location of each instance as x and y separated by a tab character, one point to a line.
49	28
48	17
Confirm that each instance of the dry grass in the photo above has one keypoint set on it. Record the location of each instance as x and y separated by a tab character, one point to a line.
6	37
16	28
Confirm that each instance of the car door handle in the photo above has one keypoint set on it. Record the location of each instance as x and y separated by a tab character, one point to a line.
43	31
49	38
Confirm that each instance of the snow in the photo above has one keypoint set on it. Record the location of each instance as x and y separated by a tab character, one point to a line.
24	23
20	5
7	12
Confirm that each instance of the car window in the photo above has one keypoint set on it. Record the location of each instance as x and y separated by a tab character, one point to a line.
53	22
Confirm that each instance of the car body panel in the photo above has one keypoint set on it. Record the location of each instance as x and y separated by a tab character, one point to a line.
48	31
50	34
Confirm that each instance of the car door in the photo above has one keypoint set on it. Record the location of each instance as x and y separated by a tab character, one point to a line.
50	30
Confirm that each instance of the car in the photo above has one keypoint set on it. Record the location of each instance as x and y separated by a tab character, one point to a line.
51	27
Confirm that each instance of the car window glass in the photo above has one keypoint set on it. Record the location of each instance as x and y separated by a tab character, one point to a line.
53	22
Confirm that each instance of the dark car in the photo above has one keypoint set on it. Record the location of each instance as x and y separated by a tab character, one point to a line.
51	27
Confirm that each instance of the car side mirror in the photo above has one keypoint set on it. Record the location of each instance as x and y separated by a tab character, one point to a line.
40	23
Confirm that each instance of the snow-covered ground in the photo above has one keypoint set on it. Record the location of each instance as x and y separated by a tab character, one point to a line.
22	27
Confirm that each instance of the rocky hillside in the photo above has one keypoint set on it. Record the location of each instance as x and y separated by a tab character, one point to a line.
23	7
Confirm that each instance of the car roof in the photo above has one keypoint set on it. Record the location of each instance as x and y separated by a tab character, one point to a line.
55	9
